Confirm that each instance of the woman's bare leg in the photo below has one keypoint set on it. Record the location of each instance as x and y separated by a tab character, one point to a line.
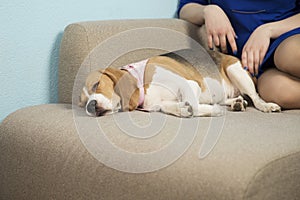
281	88
282	85
287	56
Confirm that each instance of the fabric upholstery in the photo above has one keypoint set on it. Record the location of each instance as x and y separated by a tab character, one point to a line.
42	155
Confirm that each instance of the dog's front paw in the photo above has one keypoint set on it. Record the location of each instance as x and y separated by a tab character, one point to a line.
264	106
270	107
186	110
239	104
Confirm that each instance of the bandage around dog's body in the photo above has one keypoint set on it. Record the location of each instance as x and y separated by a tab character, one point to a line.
172	86
137	70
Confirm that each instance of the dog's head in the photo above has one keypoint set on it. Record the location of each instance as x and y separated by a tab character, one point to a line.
109	91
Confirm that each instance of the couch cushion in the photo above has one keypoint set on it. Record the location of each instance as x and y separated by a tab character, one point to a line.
256	157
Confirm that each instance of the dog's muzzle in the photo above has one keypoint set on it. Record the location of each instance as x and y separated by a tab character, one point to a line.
92	109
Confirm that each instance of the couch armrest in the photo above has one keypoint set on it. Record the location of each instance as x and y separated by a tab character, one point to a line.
80	39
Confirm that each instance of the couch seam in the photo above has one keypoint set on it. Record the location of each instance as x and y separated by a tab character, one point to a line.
252	180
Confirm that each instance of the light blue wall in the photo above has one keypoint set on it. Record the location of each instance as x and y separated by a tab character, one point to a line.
30	34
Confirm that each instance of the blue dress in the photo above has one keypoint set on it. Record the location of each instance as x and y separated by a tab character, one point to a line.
246	15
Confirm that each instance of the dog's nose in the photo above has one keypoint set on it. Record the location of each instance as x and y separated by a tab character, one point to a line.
91	107
95	110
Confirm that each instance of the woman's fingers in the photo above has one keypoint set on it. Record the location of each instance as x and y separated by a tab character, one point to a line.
244	59
256	60
219	29
255	49
216	40
252	60
210	41
223	43
231	40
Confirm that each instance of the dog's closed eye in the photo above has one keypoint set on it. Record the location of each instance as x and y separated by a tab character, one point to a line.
95	86
84	97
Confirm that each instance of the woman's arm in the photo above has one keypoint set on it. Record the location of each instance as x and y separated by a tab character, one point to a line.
192	12
258	43
218	27
280	27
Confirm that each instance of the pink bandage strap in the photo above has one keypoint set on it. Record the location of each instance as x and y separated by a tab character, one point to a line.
137	70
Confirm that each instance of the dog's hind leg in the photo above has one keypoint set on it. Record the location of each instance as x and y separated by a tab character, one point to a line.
180	109
206	110
184	109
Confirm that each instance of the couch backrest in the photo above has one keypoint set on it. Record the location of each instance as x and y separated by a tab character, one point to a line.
79	46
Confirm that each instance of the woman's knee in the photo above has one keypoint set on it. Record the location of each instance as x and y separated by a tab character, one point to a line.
274	86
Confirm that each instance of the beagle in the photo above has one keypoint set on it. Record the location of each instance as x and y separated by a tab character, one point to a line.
170	84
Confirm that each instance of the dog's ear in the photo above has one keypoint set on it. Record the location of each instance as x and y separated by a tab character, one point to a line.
134	99
129	94
128	91
125	86
114	74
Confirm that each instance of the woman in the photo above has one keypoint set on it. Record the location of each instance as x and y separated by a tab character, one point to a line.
265	35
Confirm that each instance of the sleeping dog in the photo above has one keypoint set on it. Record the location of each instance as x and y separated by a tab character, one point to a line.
169	84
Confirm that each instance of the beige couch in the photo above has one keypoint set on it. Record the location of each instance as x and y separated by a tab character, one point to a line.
257	155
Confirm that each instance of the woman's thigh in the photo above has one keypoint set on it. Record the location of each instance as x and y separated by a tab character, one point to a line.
287	56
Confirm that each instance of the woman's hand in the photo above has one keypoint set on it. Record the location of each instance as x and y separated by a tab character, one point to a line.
255	49
219	29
